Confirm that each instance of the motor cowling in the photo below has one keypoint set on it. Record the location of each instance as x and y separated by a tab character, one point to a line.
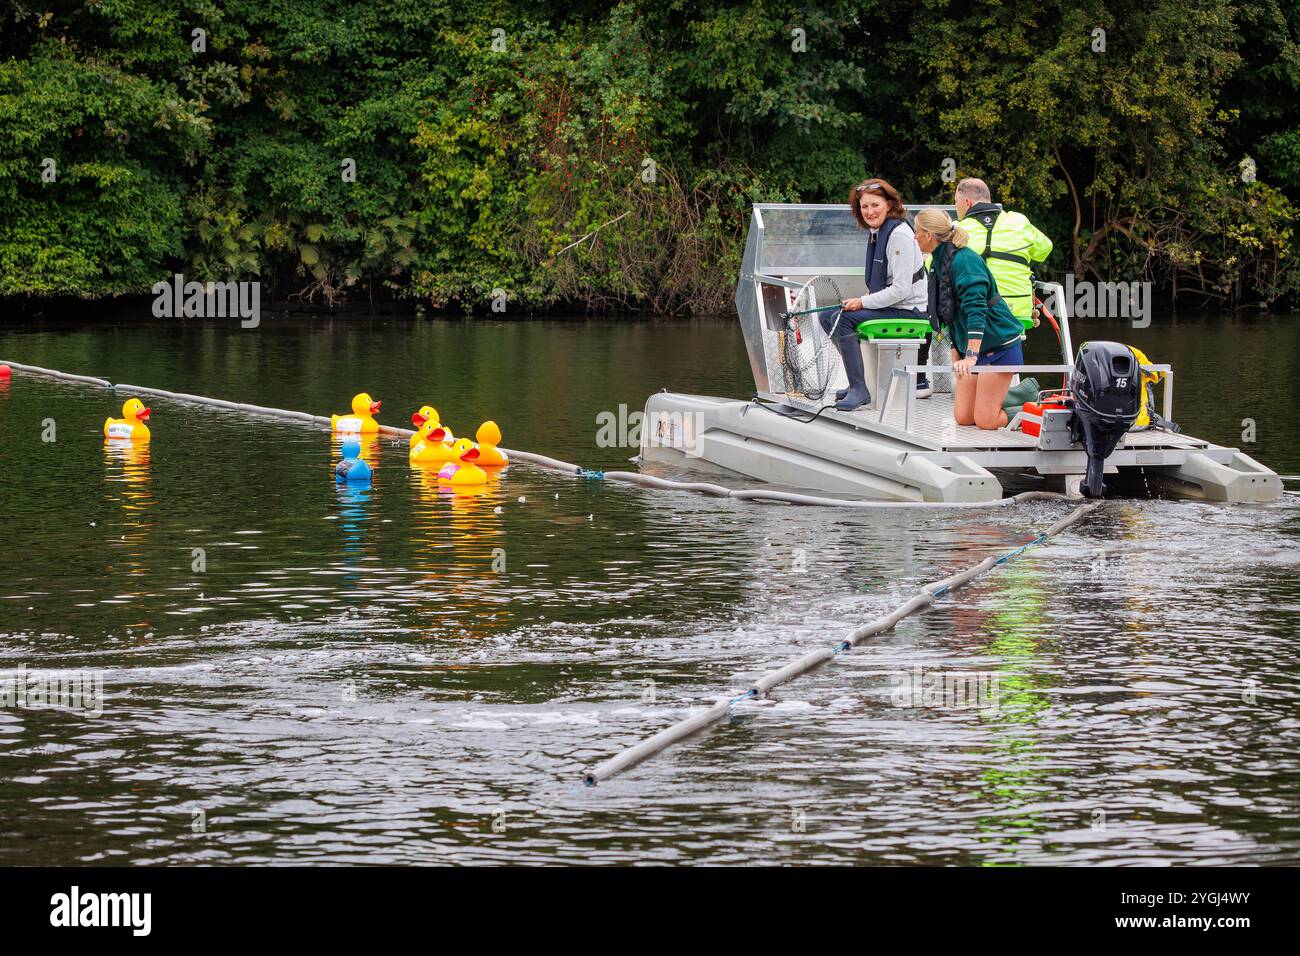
1106	386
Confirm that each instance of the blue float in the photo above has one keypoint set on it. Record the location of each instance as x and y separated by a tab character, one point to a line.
352	469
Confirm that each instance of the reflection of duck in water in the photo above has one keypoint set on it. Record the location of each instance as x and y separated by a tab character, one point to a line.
472	584
128	468
362	418
370	447
354	512
131	426
458	552
135	459
352	468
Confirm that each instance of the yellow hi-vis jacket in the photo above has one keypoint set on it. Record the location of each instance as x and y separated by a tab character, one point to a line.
1014	243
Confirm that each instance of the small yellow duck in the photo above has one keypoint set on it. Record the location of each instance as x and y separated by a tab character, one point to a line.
132	423
431	447
362	418
462	471
425	414
489	455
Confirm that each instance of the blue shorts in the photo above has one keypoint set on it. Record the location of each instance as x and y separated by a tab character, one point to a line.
1007	355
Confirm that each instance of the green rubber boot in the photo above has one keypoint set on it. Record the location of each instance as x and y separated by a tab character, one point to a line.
1017	395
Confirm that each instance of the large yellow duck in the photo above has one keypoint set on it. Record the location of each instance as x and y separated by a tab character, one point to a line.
427	413
462	471
489	436
362	418
432	446
132	423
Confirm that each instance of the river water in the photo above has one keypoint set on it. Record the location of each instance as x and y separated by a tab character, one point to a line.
294	673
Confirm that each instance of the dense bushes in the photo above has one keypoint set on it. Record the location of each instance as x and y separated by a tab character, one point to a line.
581	155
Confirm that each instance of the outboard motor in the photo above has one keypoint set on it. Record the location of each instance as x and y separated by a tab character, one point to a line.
1107	387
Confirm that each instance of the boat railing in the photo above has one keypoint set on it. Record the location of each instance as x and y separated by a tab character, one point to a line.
1061	313
908	374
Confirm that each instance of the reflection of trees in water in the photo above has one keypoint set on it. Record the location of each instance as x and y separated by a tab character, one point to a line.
1011	778
1024	589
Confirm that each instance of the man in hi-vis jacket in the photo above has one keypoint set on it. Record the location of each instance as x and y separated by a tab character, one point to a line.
1009	243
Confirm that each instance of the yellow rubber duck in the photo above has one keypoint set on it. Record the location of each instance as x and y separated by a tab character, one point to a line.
489	455
132	423
432	446
425	414
462	471
362	418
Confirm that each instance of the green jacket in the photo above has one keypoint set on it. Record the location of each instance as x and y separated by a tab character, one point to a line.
1014	245
974	318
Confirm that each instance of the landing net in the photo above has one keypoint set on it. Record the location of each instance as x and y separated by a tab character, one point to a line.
809	359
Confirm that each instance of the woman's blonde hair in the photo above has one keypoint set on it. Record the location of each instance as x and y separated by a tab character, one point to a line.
937	222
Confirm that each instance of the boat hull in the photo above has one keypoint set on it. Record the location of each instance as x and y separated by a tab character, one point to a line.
850	455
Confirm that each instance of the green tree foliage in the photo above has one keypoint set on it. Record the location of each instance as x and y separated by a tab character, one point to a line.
91	193
606	156
1108	121
1266	90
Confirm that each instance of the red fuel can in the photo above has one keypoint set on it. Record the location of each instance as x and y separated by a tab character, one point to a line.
1031	421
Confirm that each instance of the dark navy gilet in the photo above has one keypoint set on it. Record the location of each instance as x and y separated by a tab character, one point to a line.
878	254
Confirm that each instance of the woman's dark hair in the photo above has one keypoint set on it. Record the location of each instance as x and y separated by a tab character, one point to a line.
880	188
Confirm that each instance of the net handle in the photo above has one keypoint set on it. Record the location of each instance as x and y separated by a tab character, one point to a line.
839	303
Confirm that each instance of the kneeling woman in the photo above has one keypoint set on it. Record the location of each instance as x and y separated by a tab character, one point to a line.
895	277
963	296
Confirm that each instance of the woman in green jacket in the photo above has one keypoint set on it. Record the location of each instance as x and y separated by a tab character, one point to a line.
964	297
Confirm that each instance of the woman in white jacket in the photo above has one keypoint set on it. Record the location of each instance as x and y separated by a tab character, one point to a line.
896	281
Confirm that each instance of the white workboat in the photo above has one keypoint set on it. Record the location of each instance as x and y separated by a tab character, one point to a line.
899	448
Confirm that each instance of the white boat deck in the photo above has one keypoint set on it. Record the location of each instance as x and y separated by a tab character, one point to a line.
932	427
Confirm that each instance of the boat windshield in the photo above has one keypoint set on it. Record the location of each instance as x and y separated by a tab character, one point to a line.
806	239
787	245
824	238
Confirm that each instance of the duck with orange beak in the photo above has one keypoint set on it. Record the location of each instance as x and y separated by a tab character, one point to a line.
362	419
462	471
428	413
131	425
432	444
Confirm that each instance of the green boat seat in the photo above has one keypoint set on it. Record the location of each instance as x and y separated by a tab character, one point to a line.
894	329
